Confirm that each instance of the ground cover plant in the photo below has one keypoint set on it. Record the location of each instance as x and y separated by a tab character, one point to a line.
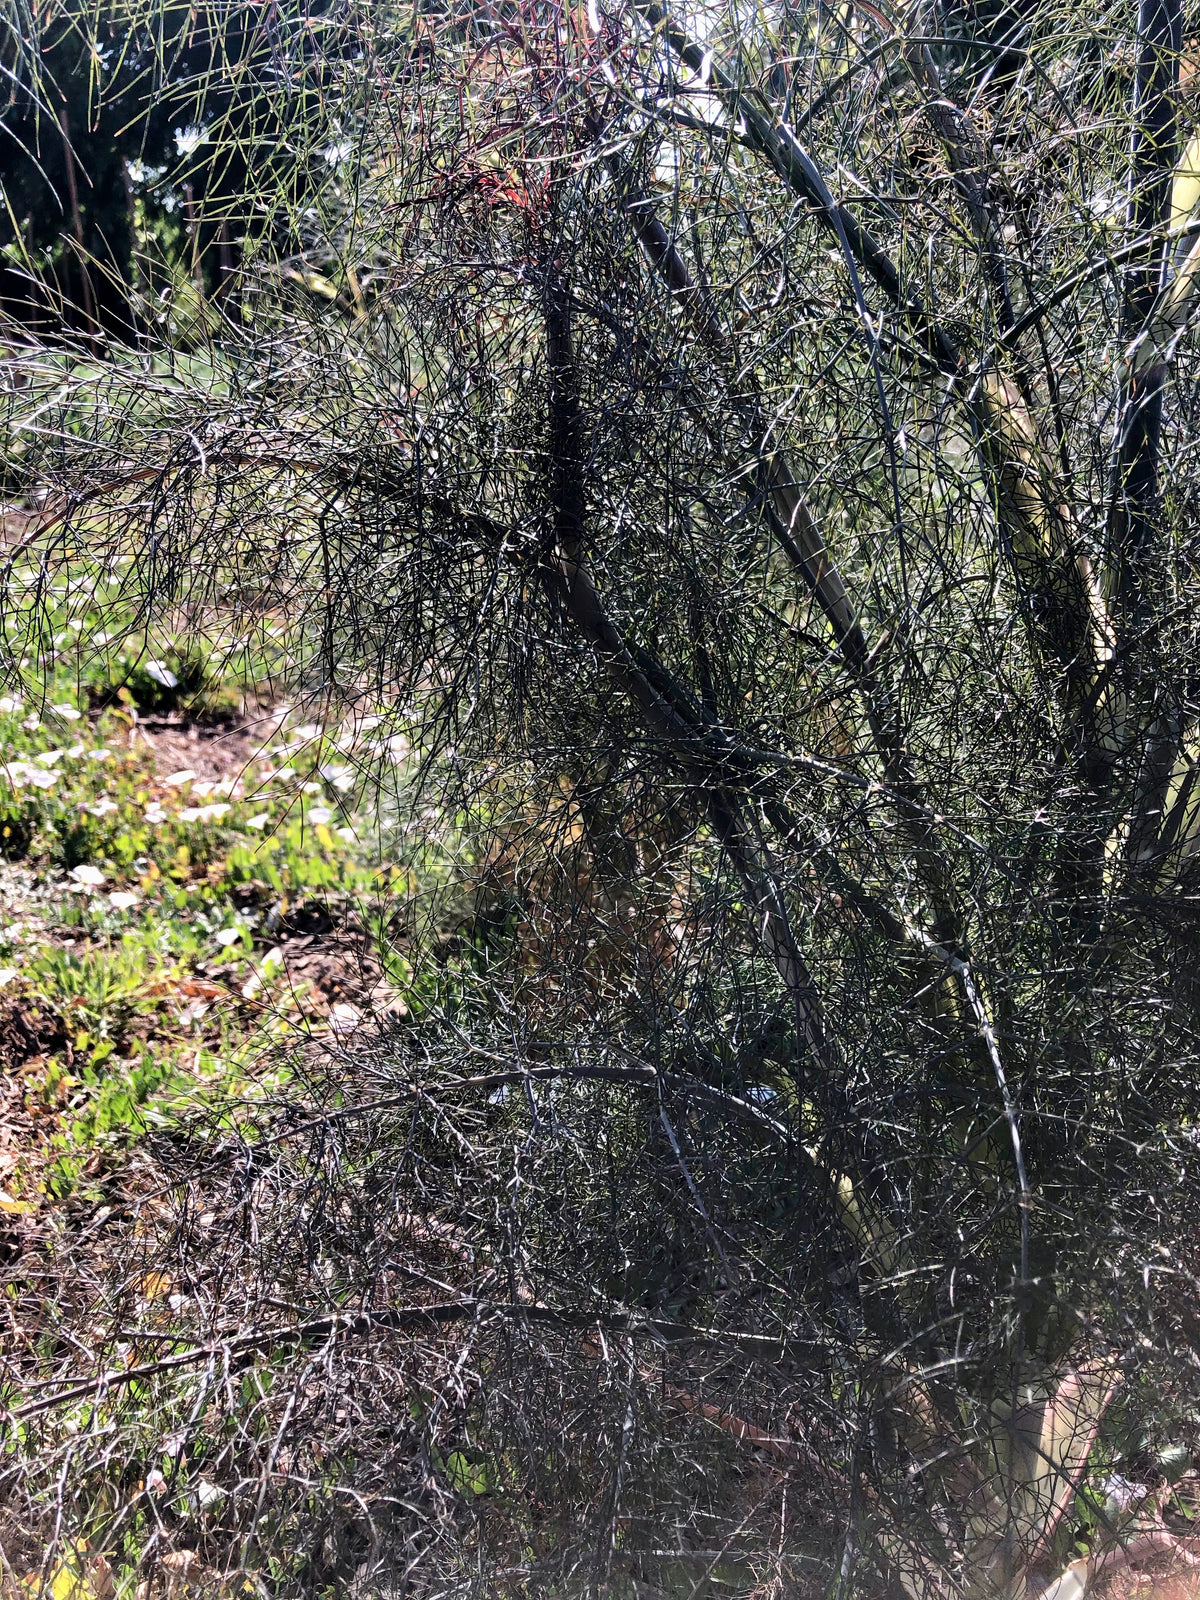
743	459
150	907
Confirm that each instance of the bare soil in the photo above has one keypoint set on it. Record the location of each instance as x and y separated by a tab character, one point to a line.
1168	1578
211	750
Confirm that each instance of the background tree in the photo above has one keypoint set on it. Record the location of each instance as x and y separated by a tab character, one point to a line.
132	132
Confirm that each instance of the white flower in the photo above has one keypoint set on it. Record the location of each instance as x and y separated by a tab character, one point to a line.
7	974
178	779
251	986
344	1019
311	788
155	813
272	959
122	900
31	724
188	140
100	755
67	712
208	1495
48	757
228	936
90	877
1124	1493
202	787
203	813
319	815
259	821
161	674
103	807
346	834
8	704
341	777
75	752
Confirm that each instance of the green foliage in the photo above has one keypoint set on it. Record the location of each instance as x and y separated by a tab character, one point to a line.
144	972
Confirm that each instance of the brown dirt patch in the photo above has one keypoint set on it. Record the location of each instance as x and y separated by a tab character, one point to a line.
210	750
1167	1578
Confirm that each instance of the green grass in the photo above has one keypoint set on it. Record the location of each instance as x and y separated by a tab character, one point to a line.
140	969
